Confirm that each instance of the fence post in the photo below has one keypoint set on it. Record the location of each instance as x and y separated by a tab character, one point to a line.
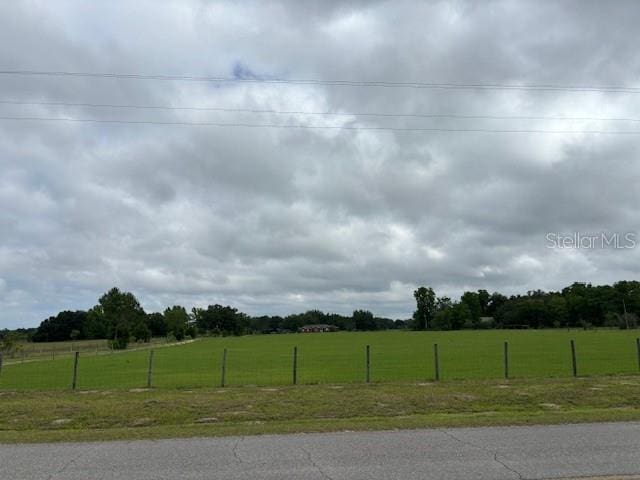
74	382
368	364
0	362
574	363
436	361
223	374
295	365
638	351
506	360
150	370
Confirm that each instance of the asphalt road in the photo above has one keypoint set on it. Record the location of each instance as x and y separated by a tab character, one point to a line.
467	453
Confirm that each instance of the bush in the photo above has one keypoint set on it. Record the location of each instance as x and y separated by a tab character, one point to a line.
119	343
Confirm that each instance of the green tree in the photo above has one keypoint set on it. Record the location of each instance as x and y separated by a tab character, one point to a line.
364	320
425	307
461	316
484	298
221	320
119	312
472	301
9	343
157	326
443	319
141	332
176	319
60	327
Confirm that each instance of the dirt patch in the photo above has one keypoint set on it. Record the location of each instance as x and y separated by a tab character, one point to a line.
207	420
550	406
141	422
61	421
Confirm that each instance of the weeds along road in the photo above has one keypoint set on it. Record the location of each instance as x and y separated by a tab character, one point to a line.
561	451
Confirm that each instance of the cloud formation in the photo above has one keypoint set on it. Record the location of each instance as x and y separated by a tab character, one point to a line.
283	220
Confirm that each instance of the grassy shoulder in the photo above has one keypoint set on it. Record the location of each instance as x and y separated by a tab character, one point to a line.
141	413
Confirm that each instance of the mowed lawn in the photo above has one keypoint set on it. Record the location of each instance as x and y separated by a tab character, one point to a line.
339	358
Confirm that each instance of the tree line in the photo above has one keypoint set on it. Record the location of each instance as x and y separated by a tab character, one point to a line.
578	305
119	317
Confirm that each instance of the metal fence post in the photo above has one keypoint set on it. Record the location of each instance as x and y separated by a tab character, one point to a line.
506	360
150	370
0	362
368	364
223	374
295	365
436	361
74	382
574	363
638	351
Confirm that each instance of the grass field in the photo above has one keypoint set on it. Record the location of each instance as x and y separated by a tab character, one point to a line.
339	358
168	413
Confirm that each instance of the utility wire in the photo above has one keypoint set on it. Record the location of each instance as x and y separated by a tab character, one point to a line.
346	83
319	127
326	113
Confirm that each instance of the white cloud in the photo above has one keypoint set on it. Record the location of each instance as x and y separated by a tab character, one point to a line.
279	220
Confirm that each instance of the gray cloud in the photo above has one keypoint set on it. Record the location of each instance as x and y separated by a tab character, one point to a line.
281	220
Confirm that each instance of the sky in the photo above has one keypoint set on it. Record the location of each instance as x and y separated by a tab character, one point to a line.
355	214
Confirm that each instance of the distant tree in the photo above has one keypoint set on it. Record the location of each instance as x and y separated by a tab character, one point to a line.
119	312
176	319
495	302
220	320
156	324
363	320
461	316
443	303
443	319
472	301
425	307
9	343
96	325
558	314
382	323
60	327
400	324
484	298
141	332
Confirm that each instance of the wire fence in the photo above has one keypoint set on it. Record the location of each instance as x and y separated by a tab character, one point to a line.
214	364
28	351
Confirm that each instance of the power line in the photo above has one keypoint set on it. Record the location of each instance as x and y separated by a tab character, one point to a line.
320	113
321	127
346	83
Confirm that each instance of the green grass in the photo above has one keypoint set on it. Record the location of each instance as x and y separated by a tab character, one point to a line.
26	351
34	416
339	358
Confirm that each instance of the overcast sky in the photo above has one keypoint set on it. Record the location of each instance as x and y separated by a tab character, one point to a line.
277	221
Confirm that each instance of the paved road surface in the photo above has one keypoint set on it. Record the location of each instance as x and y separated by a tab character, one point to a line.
467	453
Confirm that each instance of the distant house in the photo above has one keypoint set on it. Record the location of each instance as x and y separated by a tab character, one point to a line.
318	328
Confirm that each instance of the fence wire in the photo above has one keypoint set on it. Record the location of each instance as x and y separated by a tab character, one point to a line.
328	358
